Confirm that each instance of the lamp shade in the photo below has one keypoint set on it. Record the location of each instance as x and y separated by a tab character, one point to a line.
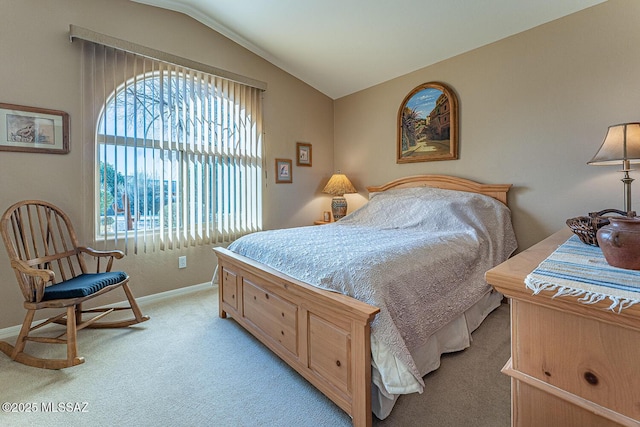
339	185
621	143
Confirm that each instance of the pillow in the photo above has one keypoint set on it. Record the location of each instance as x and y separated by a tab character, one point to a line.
423	207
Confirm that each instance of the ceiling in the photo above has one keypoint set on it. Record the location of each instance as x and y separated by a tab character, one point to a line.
342	46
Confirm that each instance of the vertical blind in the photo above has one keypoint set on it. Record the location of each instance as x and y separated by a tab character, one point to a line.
178	152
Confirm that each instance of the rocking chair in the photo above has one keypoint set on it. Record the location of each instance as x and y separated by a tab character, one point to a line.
52	273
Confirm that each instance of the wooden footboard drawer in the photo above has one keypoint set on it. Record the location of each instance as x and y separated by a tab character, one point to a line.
230	288
275	316
330	351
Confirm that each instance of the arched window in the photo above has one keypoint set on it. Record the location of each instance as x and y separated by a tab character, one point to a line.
178	155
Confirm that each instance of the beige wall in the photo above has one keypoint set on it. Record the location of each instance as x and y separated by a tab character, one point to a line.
534	108
41	68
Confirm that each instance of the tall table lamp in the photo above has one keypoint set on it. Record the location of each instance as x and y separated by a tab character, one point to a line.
621	145
338	186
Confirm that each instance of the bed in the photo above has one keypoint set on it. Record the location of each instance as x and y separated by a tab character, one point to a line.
364	307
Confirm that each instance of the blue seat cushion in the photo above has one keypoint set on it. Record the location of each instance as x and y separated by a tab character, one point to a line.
83	285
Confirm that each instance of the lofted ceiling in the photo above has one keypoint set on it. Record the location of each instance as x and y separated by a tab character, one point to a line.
342	46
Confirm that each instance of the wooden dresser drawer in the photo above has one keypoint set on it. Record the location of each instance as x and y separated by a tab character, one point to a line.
537	408
591	359
275	316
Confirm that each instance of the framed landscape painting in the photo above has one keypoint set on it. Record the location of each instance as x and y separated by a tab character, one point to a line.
428	125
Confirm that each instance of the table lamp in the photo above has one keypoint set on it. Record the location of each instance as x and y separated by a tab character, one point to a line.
621	145
338	186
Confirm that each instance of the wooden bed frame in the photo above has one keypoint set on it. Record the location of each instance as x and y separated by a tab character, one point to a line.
323	335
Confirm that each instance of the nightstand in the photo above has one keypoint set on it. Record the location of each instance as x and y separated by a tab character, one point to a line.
572	364
321	222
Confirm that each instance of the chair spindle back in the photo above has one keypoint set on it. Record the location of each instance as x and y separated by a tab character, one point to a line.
40	235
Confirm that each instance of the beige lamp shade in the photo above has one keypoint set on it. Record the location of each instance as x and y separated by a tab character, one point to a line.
338	186
621	143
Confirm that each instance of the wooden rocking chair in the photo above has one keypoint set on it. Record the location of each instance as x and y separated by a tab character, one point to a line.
52	273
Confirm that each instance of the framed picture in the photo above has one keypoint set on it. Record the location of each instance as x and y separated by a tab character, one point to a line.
428	124
304	154
284	172
35	130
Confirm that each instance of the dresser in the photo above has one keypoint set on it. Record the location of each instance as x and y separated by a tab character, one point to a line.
572	364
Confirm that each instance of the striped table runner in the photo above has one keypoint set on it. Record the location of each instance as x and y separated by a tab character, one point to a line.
580	270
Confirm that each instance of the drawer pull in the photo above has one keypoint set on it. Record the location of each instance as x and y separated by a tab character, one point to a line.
338	363
591	378
266	296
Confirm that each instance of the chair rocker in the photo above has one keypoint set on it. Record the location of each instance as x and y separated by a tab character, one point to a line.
52	273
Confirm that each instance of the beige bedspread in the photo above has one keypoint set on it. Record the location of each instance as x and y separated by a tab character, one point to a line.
419	254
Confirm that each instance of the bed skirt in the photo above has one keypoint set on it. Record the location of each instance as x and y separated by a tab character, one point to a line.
455	336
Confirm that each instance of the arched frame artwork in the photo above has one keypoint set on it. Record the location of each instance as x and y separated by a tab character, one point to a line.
428	124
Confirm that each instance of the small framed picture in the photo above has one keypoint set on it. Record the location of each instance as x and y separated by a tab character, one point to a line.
284	172
304	154
326	216
34	130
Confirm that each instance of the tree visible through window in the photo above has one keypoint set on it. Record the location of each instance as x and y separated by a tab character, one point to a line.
179	159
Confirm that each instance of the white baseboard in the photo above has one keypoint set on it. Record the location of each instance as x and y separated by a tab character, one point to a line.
13	331
174	292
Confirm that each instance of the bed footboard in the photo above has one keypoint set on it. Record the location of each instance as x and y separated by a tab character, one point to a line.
323	335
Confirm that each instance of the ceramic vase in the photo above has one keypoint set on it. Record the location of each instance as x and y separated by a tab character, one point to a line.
620	242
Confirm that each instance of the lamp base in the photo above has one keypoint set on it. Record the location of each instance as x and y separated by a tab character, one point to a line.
338	207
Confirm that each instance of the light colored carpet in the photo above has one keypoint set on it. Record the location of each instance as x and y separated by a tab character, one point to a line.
187	367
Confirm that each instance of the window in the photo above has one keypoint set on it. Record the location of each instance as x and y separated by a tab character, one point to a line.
178	153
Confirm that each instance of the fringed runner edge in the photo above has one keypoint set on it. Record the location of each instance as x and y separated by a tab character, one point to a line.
578	270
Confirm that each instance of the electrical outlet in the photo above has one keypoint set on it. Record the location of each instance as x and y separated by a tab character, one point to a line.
182	262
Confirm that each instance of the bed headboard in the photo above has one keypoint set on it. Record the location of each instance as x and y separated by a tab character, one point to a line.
497	191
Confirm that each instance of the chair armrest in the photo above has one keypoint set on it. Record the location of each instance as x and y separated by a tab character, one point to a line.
96	253
110	255
23	267
33	290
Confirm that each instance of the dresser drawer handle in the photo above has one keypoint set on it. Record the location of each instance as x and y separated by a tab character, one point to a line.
591	378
